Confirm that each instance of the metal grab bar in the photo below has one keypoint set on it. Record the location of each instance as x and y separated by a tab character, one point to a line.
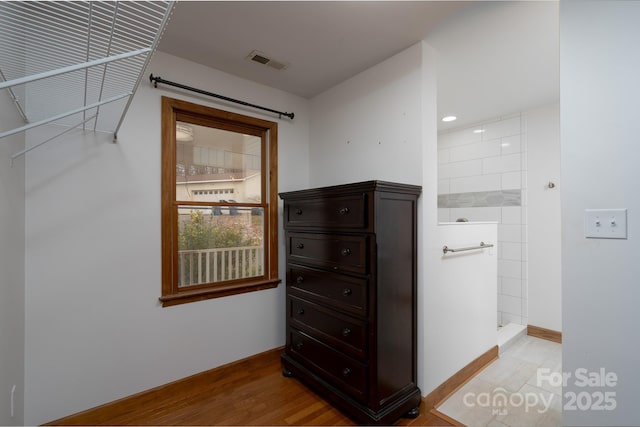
482	245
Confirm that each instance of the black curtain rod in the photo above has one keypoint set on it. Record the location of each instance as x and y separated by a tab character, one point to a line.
157	80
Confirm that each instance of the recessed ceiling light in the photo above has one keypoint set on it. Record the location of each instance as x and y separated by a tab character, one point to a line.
478	131
449	118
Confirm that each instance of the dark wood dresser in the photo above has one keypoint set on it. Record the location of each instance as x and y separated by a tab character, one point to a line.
351	297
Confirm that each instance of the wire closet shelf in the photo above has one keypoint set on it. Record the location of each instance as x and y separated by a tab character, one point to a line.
76	63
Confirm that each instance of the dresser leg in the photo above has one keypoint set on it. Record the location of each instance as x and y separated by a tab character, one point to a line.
286	373
412	413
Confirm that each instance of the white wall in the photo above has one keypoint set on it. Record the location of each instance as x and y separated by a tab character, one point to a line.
428	216
543	217
368	127
11	266
95	331
599	133
460	299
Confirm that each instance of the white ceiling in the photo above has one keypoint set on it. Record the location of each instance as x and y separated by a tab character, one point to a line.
496	58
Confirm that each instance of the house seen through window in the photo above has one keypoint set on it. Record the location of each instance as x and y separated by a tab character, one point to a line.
219	203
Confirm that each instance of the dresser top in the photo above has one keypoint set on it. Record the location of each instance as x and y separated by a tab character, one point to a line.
385	186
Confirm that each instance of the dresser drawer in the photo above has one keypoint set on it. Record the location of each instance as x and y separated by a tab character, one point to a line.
327	212
332	251
338	290
338	330
337	368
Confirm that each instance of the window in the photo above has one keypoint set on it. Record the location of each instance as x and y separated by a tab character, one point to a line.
219	203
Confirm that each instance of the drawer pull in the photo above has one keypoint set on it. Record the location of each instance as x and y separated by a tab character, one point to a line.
299	279
346	292
346	252
300	246
344	211
346	372
346	332
301	311
298	211
299	345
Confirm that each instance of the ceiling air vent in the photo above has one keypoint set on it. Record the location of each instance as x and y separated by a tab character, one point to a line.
261	58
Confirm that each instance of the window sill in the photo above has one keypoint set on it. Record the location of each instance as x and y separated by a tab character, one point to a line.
217	292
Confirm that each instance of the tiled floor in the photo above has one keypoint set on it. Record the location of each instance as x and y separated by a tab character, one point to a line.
515	390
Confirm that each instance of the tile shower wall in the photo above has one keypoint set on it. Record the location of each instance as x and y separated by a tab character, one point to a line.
482	177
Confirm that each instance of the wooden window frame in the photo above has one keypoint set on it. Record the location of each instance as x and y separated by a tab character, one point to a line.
178	110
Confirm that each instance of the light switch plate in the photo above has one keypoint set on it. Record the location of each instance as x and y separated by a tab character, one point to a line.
605	223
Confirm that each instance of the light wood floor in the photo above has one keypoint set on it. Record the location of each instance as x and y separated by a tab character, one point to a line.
250	392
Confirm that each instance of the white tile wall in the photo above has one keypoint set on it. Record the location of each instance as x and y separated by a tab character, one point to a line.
511	286
472	184
510	268
444	156
476	214
501	164
510	233
510	145
459	137
511	251
511	180
459	169
510	304
495	159
501	128
475	151
507	318
512	215
444	215
444	186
